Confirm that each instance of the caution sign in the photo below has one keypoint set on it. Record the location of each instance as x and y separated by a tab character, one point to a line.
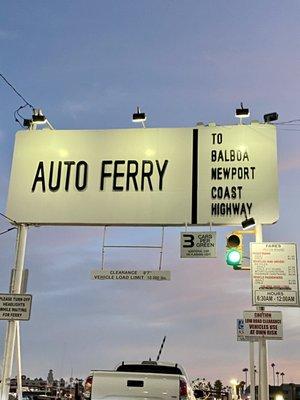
198	245
130	275
266	324
15	306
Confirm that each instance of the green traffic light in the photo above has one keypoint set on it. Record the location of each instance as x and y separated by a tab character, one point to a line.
233	257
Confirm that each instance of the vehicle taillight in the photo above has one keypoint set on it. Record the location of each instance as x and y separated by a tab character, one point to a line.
182	389
88	387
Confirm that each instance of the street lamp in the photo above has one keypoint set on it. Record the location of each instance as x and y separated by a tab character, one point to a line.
245	370
273	366
282	375
277	373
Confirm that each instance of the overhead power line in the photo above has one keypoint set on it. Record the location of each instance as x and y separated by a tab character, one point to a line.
16	91
7	230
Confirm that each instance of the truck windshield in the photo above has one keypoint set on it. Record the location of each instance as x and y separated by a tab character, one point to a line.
148	368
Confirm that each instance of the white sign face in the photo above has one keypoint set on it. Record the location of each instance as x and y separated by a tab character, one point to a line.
121	177
266	324
198	245
15	306
274	274
169	176
130	275
238	175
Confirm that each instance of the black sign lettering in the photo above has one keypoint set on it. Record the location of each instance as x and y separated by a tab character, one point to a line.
161	172
39	177
81	175
135	175
132	171
118	174
57	175
146	174
54	186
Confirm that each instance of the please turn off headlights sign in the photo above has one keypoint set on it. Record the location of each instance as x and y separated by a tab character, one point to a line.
167	176
15	306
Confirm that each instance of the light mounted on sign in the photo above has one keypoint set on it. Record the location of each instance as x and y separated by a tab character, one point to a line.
242	113
139	117
248	223
38	118
270	117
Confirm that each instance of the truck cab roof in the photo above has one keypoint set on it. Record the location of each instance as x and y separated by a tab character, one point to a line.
150	367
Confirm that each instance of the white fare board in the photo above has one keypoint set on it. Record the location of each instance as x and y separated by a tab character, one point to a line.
265	324
274	274
15	306
198	245
130	275
167	176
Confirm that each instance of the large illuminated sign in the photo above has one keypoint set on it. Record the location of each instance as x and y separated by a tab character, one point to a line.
166	176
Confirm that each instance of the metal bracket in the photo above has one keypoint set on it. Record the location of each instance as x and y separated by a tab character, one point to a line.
104	246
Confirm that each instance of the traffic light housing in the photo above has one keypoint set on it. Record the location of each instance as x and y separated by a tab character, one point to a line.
234	252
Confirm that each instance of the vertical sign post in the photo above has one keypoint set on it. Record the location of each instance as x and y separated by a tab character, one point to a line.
12	325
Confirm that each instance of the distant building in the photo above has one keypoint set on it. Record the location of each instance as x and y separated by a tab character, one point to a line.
289	391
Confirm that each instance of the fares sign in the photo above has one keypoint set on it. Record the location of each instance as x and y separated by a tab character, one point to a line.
274	273
263	324
168	176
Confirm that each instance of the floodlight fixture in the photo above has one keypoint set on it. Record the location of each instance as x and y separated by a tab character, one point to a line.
248	223
242	113
38	118
270	117
139	116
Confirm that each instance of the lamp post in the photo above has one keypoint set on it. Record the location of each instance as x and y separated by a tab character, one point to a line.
277	373
273	367
282	375
245	370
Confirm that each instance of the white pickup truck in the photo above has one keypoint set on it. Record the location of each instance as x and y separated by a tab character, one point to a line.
146	380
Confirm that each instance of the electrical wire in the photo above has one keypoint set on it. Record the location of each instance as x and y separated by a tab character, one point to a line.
287	122
7	230
15	90
27	104
9	219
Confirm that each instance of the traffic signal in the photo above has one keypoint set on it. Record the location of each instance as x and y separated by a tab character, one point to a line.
234	253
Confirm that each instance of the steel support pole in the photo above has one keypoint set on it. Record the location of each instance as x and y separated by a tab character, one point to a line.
263	358
252	370
19	363
11	328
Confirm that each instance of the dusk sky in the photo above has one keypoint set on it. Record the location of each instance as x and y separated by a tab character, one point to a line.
88	65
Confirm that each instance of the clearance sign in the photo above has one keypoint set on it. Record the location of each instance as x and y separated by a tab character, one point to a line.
166	176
